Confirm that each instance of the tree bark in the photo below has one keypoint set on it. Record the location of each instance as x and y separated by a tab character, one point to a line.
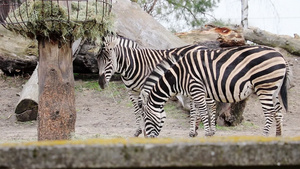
244	21
56	112
261	37
230	114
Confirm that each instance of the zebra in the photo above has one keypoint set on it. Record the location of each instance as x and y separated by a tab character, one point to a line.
225	75
105	66
124	56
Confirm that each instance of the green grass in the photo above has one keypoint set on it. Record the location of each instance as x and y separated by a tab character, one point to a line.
224	128
87	85
92	85
243	126
172	108
115	89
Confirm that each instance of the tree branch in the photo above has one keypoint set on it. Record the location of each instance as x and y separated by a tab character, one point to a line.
186	8
151	7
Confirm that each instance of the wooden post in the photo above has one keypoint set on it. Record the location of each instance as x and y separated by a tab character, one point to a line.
56	112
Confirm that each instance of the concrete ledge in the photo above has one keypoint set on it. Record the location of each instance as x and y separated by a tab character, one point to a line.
139	152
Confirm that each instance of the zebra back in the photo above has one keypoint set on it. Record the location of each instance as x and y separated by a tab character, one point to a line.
135	64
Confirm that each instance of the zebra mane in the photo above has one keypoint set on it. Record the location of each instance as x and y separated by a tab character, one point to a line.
113	40
130	42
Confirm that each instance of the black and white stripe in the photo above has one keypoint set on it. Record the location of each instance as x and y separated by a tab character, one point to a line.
121	55
225	75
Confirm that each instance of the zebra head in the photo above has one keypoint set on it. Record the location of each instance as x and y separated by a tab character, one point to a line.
108	56
153	120
150	130
153	114
107	60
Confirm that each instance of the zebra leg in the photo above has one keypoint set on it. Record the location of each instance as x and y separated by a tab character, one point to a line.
137	112
278	118
268	110
271	107
193	120
269	115
200	105
212	107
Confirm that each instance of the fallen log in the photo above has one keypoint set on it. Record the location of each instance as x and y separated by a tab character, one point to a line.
27	106
261	37
18	56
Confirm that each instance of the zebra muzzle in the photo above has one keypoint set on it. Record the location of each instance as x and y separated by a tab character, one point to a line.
102	81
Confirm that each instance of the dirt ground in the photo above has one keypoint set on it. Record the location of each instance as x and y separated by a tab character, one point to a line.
109	114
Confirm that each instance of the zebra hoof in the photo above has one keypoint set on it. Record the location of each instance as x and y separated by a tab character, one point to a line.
193	134
266	134
151	136
209	134
138	132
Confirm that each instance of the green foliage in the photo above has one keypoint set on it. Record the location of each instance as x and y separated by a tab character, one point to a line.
193	13
48	19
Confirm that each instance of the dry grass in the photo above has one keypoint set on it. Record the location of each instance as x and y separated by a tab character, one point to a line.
47	19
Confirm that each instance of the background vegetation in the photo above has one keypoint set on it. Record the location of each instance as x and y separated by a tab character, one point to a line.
190	13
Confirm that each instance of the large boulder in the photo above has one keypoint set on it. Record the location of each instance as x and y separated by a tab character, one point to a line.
134	23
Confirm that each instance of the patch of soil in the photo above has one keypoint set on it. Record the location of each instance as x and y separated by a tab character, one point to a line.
109	113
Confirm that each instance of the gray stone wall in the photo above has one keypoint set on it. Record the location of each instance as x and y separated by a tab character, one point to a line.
226	152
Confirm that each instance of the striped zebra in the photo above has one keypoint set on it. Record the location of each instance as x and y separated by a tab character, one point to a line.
121	55
104	60
225	75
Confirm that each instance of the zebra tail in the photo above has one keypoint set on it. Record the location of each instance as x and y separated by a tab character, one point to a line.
288	83
283	93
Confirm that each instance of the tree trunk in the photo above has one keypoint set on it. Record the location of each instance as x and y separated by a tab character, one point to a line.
56	112
27	106
261	37
230	114
244	21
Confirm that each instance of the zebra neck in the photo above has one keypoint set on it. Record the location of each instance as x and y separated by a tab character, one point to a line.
121	62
